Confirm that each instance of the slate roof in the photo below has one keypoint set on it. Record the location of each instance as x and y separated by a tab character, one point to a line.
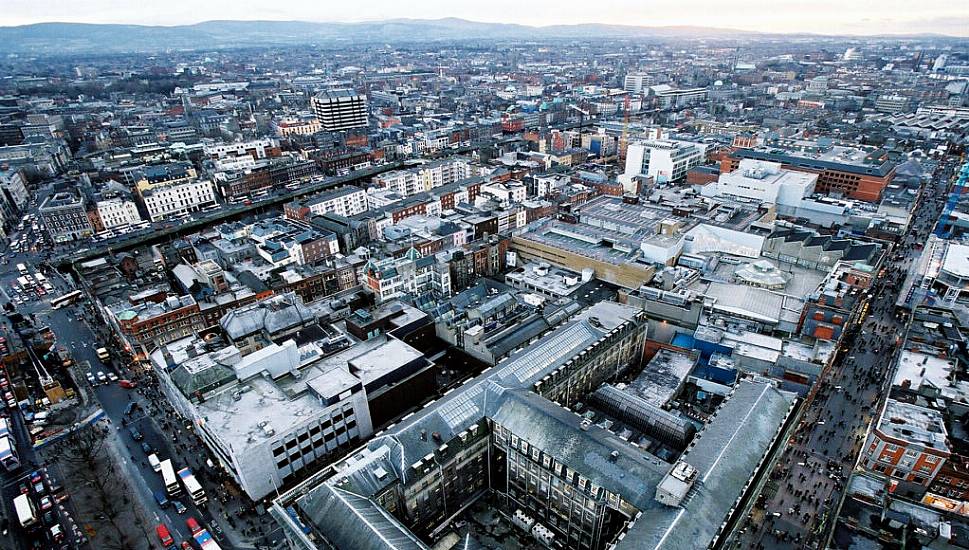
725	454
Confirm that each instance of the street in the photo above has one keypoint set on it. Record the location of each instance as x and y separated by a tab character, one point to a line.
802	492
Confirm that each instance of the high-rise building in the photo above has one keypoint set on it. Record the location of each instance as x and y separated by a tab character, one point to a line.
635	82
340	110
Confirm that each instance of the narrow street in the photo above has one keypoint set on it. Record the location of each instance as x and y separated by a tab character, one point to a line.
802	492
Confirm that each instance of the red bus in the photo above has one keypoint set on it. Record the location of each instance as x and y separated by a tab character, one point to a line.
164	536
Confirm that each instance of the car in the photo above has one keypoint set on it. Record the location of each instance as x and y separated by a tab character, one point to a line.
127	384
186	545
61	497
130	408
90	378
135	434
179	507
46	503
216	528
146	447
193	526
36	476
50	517
112	377
39	488
24	487
103	378
56	533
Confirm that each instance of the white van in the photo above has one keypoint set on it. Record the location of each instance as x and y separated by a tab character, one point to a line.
155	463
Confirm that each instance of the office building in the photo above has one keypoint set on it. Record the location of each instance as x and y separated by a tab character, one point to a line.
340	110
174	200
65	217
662	160
842	171
556	476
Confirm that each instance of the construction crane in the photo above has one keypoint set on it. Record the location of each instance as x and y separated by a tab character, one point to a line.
624	138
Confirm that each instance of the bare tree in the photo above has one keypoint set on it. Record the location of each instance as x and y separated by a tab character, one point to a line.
84	452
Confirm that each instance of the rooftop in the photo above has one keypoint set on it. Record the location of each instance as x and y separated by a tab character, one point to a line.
914	424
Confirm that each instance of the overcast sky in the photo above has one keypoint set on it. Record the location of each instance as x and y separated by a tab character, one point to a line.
818	16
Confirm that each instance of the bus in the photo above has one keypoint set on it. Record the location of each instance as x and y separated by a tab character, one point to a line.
192	487
25	511
66	299
22	269
168	475
206	541
8	454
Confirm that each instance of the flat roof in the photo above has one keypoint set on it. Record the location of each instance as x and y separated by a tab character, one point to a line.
915	424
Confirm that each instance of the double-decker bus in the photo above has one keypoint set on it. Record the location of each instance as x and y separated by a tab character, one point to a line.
168	475
8	454
25	511
192	487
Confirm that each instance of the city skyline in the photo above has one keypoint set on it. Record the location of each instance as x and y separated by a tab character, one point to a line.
827	17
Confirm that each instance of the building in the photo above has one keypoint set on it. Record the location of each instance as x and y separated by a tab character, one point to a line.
339	110
412	274
257	149
152	318
662	160
262	419
669	97
65	217
908	443
762	182
14	188
174	200
634	83
842	171
891	103
344	201
117	211
569	483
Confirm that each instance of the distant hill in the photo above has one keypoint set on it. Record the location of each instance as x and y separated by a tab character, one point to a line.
68	38
90	38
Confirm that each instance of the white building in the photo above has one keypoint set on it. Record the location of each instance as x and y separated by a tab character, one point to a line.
178	199
425	177
14	188
507	193
256	148
117	211
344	201
763	182
662	160
635	82
266	415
